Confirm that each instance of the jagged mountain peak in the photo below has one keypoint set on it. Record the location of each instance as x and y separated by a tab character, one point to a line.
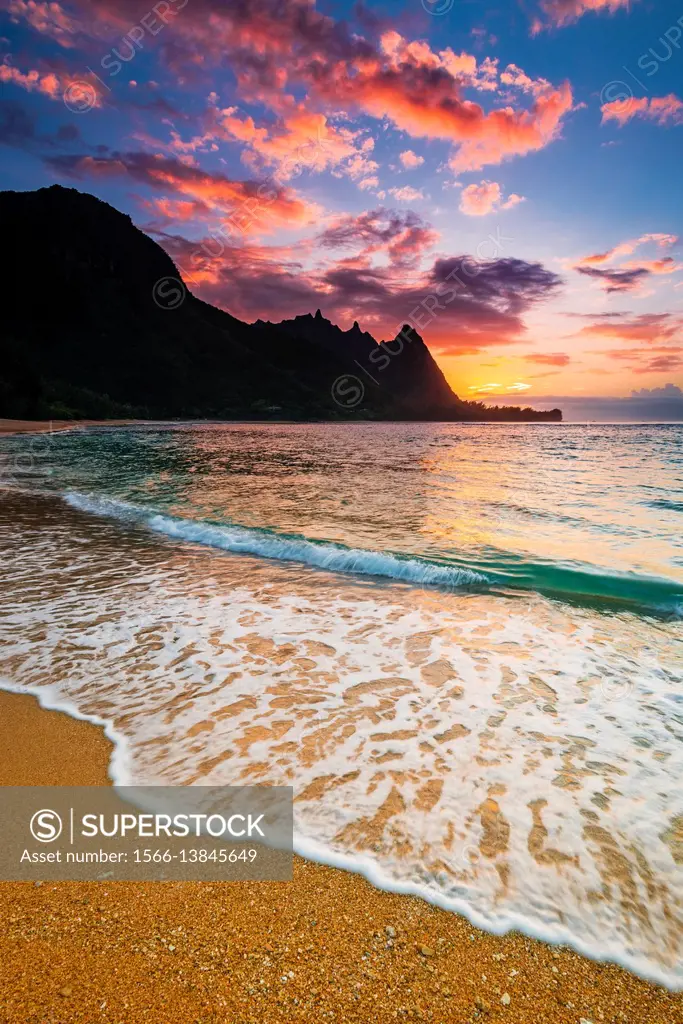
107	340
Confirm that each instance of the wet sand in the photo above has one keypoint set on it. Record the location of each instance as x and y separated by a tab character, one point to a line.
325	947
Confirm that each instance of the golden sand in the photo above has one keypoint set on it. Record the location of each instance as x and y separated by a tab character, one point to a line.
326	947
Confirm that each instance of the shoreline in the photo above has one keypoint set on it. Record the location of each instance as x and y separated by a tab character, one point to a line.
9	428
356	952
12	427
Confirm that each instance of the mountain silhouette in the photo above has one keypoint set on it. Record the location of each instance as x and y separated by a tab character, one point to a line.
98	323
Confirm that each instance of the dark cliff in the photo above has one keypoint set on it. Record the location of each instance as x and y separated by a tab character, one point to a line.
98	324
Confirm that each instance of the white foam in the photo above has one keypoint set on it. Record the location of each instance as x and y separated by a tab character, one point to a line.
121	773
495	924
190	660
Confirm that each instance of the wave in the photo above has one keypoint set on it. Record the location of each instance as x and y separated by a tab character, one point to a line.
666	504
590	584
246	540
128	690
572	582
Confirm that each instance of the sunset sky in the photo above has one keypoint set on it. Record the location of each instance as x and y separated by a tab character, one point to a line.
506	176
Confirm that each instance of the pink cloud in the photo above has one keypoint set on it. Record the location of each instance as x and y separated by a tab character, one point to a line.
616	280
244	207
403	237
664	364
50	19
629	276
410	160
648	327
406	194
483	309
548	358
660	109
626	248
558	13
176	209
54	85
301	139
484	198
644	360
666	265
274	44
514	76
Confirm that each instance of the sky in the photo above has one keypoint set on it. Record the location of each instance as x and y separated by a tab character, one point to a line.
503	176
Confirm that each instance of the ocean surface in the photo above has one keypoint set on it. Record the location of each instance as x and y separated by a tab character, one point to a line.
461	644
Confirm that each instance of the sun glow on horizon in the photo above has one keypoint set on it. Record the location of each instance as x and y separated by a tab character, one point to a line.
487	389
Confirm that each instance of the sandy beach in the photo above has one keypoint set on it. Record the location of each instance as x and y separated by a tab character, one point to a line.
341	491
325	947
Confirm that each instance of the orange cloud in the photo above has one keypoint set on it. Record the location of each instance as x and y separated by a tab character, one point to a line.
659	239
245	207
302	139
648	327
419	90
32	81
415	89
505	133
53	85
271	44
176	209
667	265
548	358
659	109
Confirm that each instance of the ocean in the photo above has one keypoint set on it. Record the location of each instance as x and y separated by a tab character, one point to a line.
461	644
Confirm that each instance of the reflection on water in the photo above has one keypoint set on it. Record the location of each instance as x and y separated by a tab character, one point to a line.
505	753
602	495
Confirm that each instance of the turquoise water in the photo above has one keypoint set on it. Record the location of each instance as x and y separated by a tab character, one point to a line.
460	644
586	512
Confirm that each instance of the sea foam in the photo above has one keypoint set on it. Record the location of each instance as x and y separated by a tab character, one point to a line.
490	755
